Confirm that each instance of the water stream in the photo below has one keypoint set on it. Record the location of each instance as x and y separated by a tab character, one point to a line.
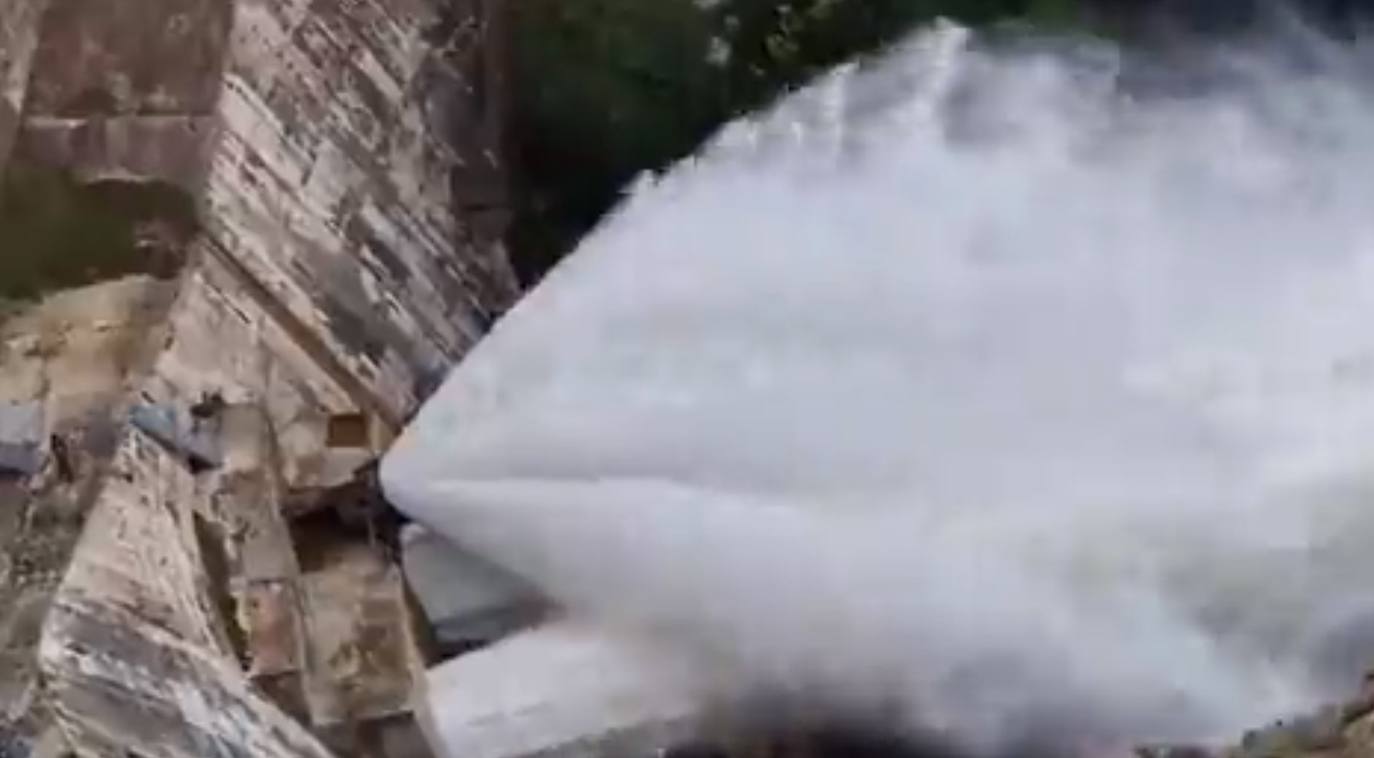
1020	388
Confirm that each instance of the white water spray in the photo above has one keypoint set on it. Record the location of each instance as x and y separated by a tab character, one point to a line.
975	384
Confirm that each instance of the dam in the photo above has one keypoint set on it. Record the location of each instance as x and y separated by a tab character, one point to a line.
1039	358
305	234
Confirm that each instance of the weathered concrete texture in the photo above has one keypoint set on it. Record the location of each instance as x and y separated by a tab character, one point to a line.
160	554
335	280
136	655
332	188
21	439
19	26
70	361
126	91
347	157
79	352
153	57
190	703
173	148
197	565
363	652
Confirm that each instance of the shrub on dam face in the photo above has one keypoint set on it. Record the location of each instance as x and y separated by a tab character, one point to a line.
605	89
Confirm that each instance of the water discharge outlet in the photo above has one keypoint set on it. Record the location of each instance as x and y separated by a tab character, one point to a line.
1021	391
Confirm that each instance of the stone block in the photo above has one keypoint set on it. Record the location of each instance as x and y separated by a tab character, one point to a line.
560	691
468	601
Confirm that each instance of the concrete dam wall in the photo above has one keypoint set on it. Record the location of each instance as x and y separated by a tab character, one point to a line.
309	200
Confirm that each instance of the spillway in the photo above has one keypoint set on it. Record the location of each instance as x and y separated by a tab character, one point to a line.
1022	389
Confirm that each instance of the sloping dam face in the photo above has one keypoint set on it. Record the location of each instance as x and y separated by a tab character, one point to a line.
1020	391
334	157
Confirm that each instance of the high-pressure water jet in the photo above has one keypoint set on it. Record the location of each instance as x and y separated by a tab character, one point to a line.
1022	391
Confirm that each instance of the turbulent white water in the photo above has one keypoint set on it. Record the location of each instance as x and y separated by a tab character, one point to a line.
994	386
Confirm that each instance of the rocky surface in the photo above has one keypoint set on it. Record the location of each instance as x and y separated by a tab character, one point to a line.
19	22
331	187
199	548
193	561
67	364
136	655
126	91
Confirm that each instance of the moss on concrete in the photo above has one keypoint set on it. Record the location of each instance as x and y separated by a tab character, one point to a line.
57	232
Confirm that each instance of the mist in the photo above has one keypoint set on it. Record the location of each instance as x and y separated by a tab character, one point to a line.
1019	391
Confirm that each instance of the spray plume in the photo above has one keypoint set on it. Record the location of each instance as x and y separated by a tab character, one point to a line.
1024	391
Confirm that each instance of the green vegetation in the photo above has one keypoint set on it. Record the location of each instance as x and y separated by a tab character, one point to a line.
59	233
606	89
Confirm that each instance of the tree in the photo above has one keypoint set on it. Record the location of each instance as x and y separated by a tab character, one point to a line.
606	89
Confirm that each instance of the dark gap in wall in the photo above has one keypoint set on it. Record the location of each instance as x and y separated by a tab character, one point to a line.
60	232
